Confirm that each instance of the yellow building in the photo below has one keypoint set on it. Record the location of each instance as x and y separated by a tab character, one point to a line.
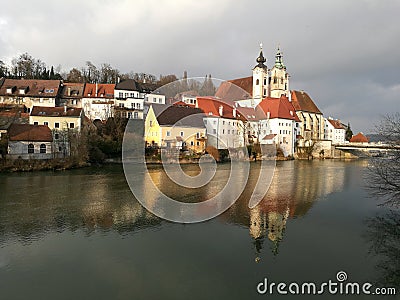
175	127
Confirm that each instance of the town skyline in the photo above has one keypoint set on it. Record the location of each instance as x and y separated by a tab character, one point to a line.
343	54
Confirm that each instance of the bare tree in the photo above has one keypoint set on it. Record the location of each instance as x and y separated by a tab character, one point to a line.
383	174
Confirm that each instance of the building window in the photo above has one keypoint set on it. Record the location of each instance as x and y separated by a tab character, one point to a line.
71	125
191	143
257	82
198	143
35	123
214	131
42	148
129	115
265	80
31	148
46	123
136	115
56	125
181	133
168	133
223	131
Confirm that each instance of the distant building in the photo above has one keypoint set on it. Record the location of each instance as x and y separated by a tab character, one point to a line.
131	97
335	131
359	138
175	127
30	92
30	142
98	101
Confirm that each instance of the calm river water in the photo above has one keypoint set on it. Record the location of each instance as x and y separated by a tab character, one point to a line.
80	234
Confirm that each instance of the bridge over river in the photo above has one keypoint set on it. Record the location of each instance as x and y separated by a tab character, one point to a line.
368	149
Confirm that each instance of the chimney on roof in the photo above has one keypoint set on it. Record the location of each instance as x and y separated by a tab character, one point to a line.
221	110
96	89
65	109
234	112
69	91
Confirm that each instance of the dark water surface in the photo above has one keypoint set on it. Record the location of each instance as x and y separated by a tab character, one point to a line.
80	234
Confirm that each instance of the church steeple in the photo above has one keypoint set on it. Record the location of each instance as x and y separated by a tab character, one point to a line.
261	59
278	60
260	78
279	84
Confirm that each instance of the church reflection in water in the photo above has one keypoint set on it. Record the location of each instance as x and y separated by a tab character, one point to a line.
292	193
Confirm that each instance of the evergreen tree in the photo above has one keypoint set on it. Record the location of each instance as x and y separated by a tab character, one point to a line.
349	133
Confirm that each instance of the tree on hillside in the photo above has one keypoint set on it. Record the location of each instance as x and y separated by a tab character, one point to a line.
349	132
383	175
3	69
166	79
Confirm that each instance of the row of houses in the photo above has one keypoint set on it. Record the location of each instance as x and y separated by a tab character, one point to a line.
98	100
255	109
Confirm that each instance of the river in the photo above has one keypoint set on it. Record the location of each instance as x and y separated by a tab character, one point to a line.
80	234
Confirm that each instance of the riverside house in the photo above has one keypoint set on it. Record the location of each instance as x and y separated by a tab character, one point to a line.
28	141
175	127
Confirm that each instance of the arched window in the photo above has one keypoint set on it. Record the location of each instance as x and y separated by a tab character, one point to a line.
257	82
42	148
31	148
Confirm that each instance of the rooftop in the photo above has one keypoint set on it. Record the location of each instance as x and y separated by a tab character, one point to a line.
56	111
28	132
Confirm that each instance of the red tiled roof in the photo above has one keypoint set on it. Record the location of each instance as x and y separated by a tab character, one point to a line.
237	89
246	83
336	124
104	90
302	101
359	138
211	105
28	132
32	87
44	111
269	136
279	108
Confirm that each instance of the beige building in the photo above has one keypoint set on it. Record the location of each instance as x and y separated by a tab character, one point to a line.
312	124
57	118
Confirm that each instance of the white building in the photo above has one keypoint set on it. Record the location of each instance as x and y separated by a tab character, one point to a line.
98	101
30	142
131	97
223	127
335	131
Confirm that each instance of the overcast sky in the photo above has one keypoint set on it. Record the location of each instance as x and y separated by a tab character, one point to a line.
345	54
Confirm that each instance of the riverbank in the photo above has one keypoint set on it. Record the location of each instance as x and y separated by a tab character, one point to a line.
21	165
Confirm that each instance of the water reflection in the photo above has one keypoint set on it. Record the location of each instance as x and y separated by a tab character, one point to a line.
99	199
